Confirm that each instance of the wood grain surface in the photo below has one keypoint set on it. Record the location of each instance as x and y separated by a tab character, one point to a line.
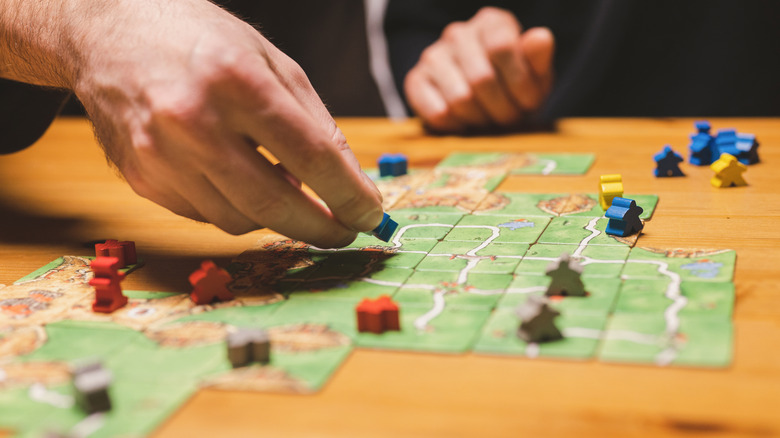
59	196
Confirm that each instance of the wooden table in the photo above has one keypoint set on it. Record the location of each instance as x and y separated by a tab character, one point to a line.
59	195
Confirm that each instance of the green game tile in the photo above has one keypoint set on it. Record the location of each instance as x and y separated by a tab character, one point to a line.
557	164
581	336
471	159
243	316
609	260
601	296
647	202
20	413
312	369
702	341
336	314
408	255
507	255
73	340
424	224
479	290
383	282
703	298
444	179
452	331
528	204
573	230
137	409
510	230
715	266
58	261
518	205
144	360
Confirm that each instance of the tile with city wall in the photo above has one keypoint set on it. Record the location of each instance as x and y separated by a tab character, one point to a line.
501	229
578	229
452	330
425	288
393	188
655	296
688	264
237	316
647	202
352	290
441	200
457	255
554	204
467	179
701	341
556	164
600	294
581	333
598	261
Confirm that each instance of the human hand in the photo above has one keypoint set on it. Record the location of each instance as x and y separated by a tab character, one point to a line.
482	73
181	93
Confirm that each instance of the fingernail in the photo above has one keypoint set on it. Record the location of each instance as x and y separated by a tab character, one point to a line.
369	220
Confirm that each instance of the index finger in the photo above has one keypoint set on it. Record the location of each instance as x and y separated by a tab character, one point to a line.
274	118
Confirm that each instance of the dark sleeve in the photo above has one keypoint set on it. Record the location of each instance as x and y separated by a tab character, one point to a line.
25	113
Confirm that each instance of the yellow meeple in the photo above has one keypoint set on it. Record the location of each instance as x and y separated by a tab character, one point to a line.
610	186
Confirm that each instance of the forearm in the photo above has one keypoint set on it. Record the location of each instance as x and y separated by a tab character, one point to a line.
35	42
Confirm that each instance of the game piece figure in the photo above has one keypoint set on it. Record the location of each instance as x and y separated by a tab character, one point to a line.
210	284
384	231
703	150
108	293
90	382
537	320
393	165
565	273
624	217
742	146
247	345
728	172
124	251
668	163
610	186
377	316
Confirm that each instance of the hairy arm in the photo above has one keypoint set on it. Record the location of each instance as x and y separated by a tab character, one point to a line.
181	93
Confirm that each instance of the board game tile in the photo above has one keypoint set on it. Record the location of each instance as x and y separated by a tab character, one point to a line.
601	294
307	369
72	340
424	288
577	229
406	255
20	413
238	316
702	298
557	164
690	265
475	160
440	200
383	282
457	255
647	202
452	331
337	315
137	409
641	338
581	336
418	224
479	228
58	261
554	204
180	352
598	261
467	179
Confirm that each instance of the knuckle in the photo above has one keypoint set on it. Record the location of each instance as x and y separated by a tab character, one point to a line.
492	13
455	31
